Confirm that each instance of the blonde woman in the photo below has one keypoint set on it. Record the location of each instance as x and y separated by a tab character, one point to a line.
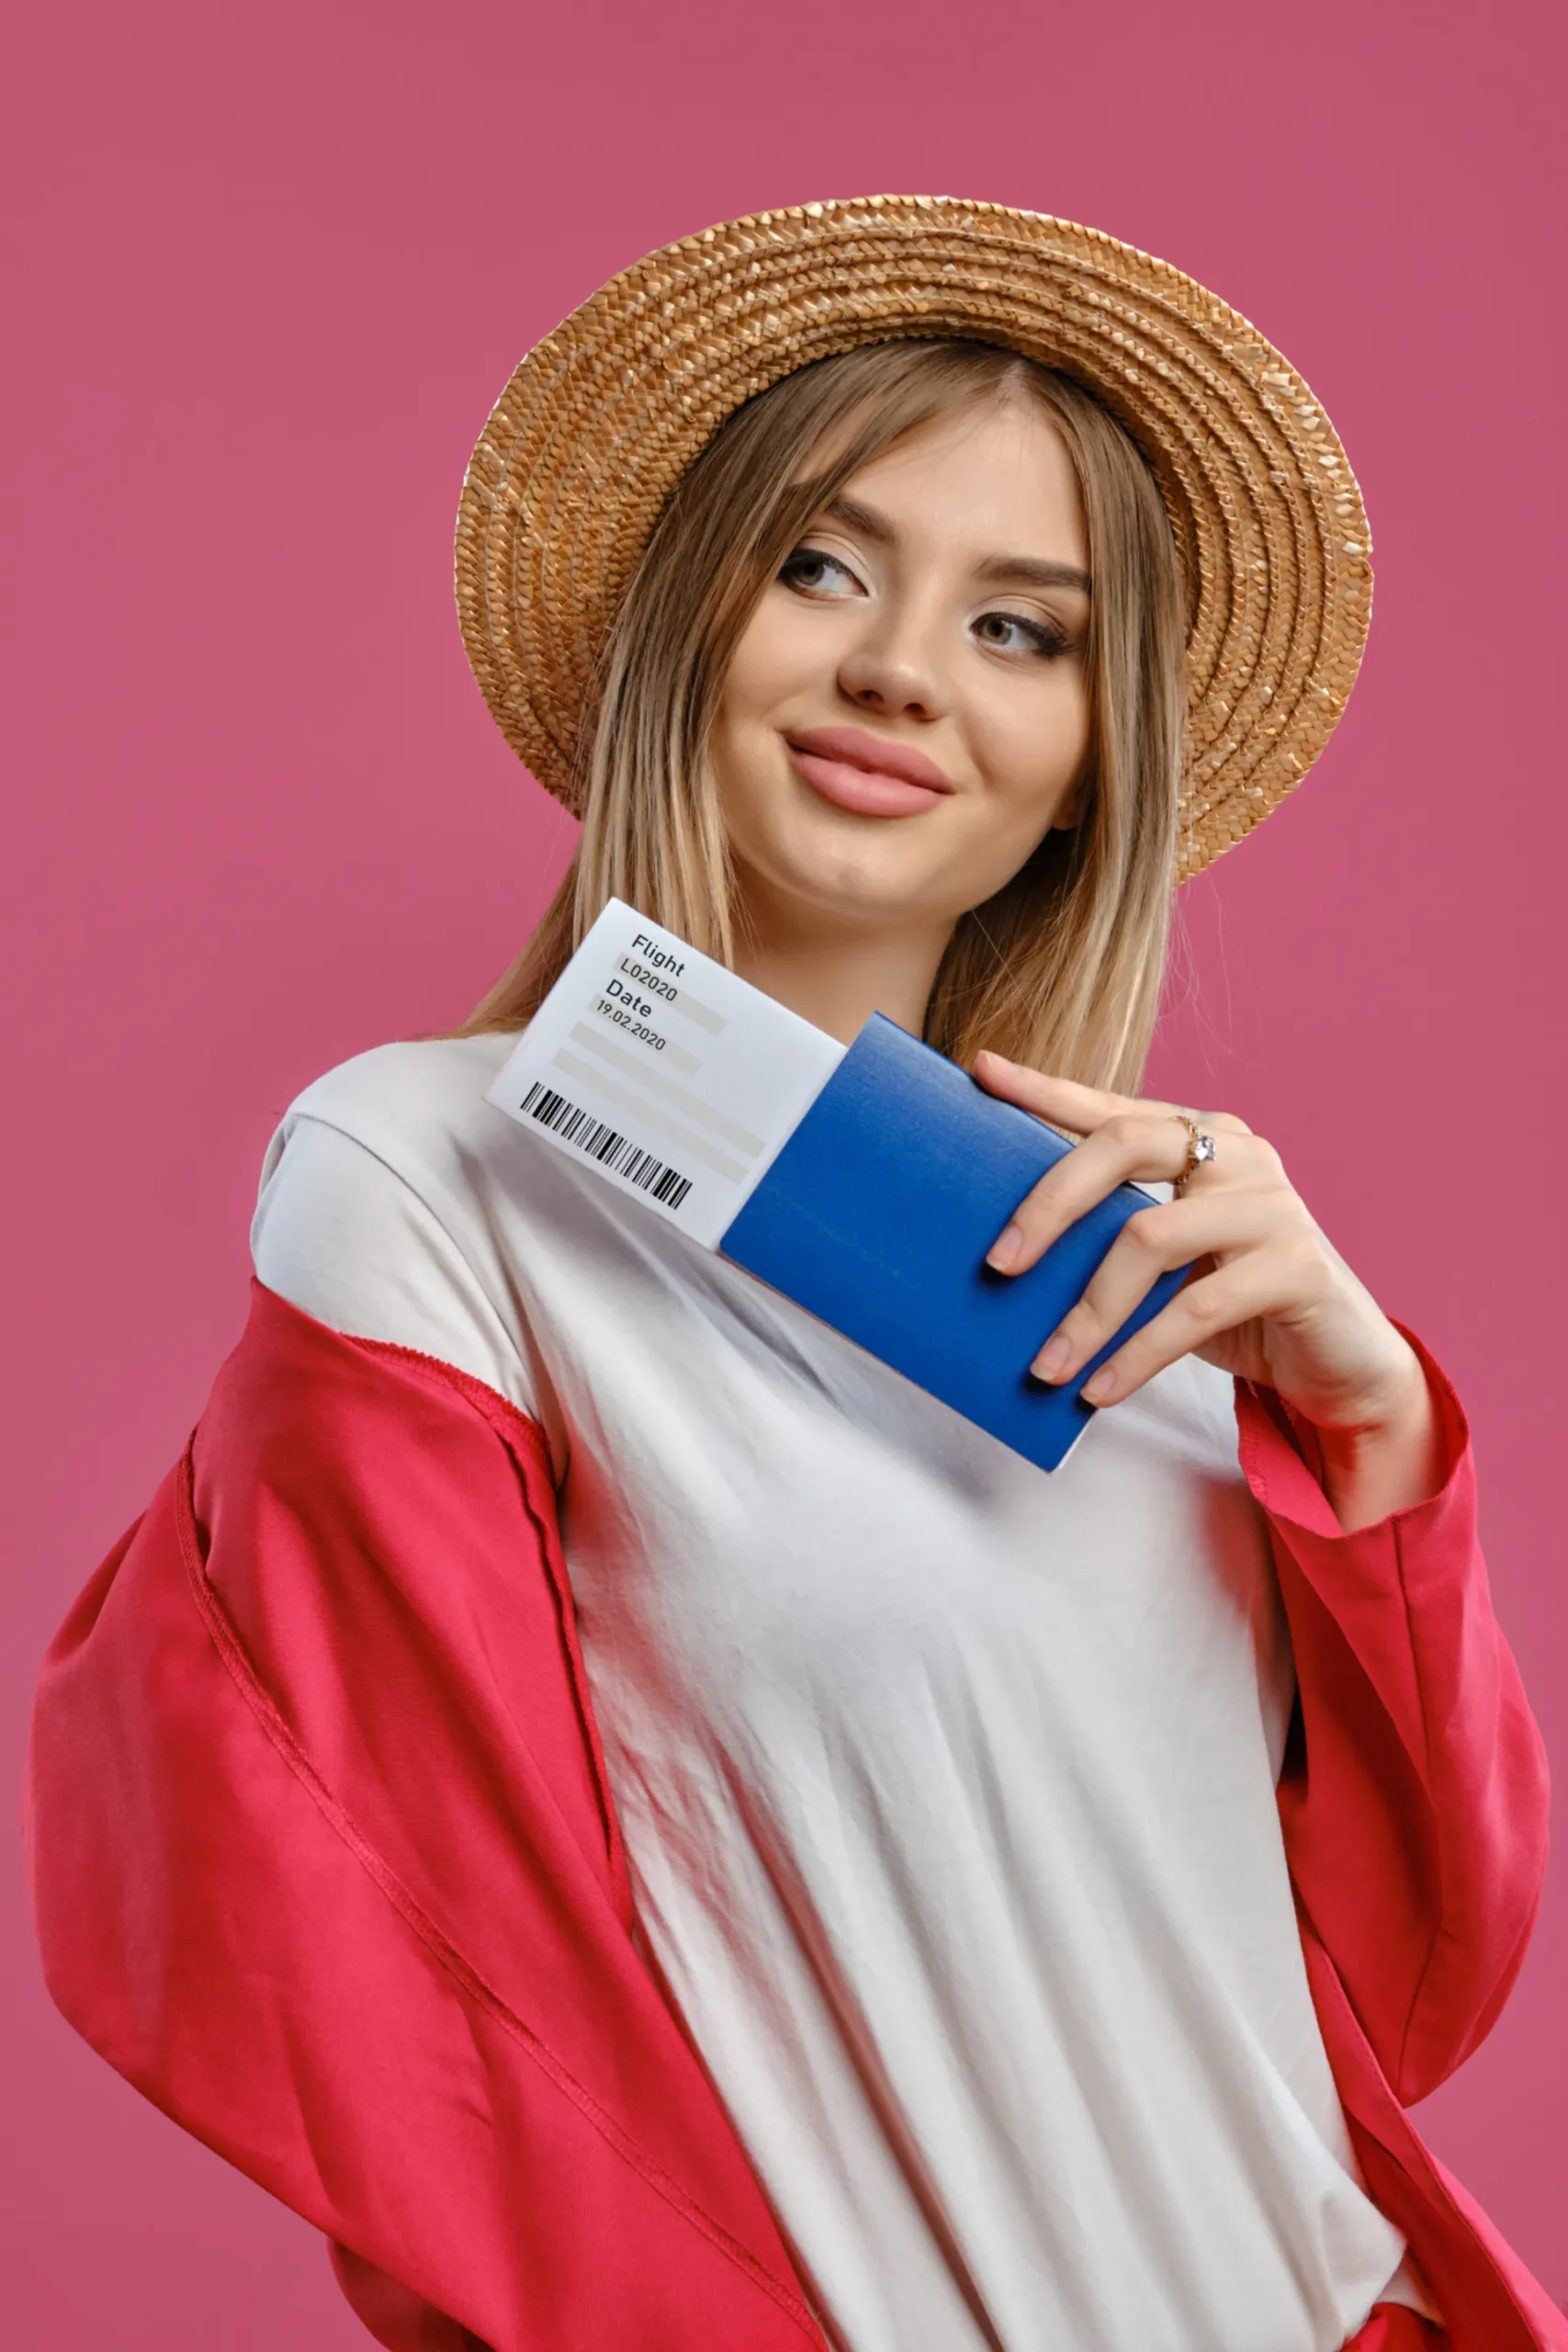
649	1830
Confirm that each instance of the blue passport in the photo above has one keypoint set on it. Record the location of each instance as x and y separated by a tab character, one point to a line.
876	1215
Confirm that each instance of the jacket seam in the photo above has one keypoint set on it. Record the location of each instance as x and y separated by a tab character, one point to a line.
1439	1912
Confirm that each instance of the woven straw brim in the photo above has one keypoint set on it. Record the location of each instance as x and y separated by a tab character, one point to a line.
601	419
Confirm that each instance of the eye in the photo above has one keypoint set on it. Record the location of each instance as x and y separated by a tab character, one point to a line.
814	572
1017	633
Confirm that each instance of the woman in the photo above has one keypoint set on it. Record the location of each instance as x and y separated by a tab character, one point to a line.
889	1897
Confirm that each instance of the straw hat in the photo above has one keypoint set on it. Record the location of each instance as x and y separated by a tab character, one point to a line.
602	418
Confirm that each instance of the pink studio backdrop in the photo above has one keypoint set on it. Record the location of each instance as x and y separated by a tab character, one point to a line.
266	270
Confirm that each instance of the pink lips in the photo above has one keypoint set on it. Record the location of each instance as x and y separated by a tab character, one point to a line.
868	775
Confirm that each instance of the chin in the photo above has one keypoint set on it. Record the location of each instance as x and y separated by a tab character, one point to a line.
872	880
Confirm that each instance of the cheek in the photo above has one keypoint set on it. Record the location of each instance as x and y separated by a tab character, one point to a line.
1035	750
779	651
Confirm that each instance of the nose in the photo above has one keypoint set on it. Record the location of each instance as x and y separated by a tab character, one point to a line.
894	669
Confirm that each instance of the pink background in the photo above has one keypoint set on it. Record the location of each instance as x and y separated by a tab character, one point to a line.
265	272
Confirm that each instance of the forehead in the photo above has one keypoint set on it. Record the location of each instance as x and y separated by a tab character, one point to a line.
986	468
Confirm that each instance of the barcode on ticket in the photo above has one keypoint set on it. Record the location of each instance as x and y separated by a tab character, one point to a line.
605	1144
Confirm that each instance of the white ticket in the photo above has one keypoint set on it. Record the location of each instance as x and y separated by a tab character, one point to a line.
678	1081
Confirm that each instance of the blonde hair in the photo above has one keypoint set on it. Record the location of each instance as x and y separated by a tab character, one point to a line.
1061	967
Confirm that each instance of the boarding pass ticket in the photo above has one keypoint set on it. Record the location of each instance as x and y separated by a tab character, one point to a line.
679	1082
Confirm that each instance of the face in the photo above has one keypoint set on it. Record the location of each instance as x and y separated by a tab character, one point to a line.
907	712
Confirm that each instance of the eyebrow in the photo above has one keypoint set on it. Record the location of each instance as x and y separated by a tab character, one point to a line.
997	569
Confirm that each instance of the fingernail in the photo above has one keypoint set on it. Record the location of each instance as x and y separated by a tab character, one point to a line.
1005	1249
1104	1381
1052	1358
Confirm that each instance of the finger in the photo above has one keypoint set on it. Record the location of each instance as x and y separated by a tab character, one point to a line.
1151	1244
1060	1101
1140	1146
1256	1284
1064	1103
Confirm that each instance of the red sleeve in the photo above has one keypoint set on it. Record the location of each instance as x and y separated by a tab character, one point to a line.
1413	1799
324	1863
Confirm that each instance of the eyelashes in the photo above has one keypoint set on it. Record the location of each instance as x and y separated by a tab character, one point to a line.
1044	635
812	571
803	562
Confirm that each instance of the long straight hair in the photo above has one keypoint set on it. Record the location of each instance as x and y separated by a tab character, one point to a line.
1061	967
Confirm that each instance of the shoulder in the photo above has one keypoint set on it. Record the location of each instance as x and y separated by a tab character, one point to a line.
371	1215
414	1100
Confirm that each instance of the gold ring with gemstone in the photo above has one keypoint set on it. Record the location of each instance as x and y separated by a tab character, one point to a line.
1200	1146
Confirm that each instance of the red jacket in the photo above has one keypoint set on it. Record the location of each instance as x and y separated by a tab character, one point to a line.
325	1863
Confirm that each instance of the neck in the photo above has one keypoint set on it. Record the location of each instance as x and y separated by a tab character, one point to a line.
836	974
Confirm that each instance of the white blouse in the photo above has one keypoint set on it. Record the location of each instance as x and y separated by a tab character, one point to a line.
947	1786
